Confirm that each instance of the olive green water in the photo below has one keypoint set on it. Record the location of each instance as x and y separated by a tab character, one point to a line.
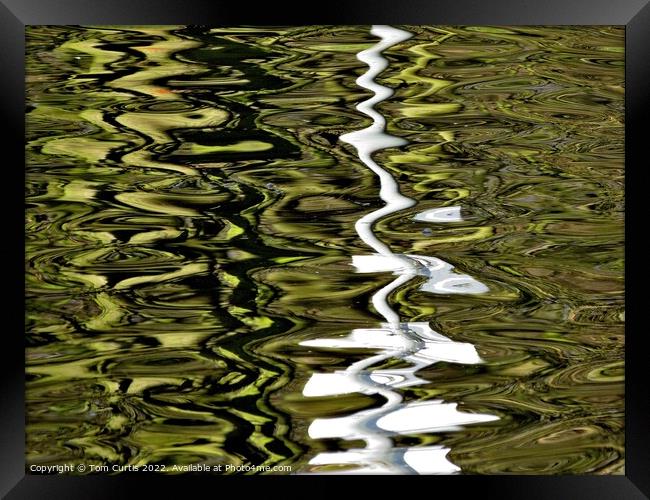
190	223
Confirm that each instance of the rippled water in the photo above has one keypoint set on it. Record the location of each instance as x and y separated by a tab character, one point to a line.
339	249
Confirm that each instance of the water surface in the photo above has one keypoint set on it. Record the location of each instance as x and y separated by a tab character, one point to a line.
223	269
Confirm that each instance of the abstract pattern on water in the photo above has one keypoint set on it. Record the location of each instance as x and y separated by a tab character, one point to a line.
345	249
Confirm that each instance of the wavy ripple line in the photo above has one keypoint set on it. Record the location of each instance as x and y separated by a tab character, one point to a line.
415	343
374	137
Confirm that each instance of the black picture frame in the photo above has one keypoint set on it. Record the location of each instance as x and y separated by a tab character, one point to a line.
16	14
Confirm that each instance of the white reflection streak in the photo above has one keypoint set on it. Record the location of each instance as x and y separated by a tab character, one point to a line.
374	137
415	343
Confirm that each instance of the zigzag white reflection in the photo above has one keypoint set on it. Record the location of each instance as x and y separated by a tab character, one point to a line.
415	343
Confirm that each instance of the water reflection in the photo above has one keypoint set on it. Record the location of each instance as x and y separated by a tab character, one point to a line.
444	214
414	343
190	221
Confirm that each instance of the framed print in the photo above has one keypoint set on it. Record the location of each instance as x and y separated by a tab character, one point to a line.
277	244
